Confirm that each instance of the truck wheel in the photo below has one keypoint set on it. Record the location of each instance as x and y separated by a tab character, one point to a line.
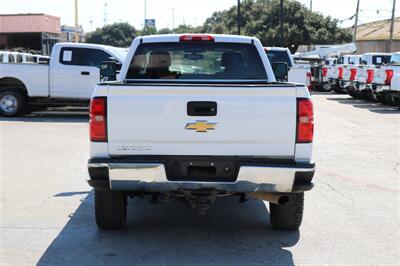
367	95
110	209
326	87
12	102
287	216
381	98
396	101
389	99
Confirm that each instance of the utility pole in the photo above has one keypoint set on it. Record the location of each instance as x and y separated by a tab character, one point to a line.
105	13
391	27
76	22
309	45
238	17
356	22
145	14
281	21
173	18
91	24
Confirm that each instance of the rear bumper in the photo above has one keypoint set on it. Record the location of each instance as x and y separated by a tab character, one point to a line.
154	175
382	88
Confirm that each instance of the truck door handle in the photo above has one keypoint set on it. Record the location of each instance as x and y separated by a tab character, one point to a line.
201	108
85	73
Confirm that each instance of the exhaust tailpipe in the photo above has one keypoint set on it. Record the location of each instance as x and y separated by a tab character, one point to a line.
275	198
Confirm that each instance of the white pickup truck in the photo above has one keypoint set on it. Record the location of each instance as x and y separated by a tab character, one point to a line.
198	117
70	78
299	72
336	74
328	70
367	74
386	81
349	73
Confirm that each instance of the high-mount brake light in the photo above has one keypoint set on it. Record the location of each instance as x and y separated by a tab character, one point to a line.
389	76
305	121
353	74
98	119
196	38
370	75
340	76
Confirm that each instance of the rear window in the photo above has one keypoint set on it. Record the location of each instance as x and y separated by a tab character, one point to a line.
279	56
380	59
354	60
197	61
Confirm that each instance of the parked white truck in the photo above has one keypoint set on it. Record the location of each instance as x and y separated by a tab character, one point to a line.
299	72
337	73
367	73
328	70
70	78
220	126
386	81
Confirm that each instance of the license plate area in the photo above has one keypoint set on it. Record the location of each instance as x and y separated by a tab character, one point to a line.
202	171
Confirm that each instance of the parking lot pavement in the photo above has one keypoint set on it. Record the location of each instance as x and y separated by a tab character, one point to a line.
351	217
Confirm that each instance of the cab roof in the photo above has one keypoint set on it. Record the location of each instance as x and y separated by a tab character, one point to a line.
176	38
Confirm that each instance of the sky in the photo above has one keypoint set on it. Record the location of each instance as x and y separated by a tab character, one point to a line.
193	12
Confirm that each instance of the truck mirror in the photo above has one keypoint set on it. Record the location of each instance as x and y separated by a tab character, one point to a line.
109	69
281	71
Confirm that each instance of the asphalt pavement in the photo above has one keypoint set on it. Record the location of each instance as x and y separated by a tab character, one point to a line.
351	217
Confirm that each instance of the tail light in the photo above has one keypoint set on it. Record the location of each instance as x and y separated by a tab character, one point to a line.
370	75
196	37
353	74
389	76
308	81
340	76
324	71
305	121
98	119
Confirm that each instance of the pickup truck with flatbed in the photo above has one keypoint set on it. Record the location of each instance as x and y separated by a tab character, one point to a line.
197	117
68	79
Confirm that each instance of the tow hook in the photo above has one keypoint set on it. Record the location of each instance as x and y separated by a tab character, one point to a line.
200	200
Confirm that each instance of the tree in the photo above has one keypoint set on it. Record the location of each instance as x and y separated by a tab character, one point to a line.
260	18
117	34
187	29
164	31
148	31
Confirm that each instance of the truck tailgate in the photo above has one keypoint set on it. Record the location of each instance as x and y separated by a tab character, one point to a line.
257	120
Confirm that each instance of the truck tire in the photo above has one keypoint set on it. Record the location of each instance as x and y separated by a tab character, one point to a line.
110	209
381	98
389	99
12	102
287	216
326	87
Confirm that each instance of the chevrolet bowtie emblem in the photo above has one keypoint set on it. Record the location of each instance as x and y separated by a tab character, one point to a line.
201	126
